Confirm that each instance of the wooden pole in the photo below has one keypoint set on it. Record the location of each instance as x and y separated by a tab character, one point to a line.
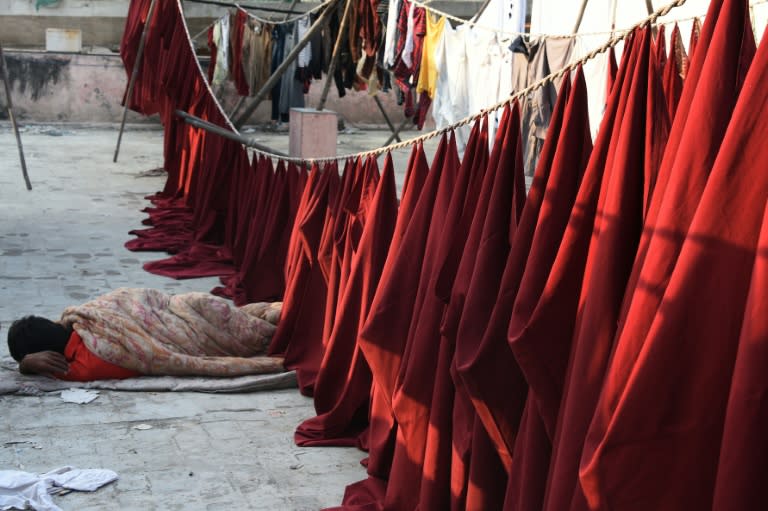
386	118
223	132
649	6
134	75
580	16
13	119
396	133
270	83
335	56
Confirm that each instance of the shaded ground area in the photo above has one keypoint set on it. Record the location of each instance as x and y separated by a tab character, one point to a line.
62	243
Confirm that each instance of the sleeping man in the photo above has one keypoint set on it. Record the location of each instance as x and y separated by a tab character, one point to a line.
133	332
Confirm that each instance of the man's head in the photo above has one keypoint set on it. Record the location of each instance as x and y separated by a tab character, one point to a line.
32	334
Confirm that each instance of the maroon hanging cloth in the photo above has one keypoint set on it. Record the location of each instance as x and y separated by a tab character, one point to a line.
268	185
613	68
396	302
212	50
469	207
299	332
675	67
380	440
673	409
330	250
237	70
343	384
207	254
263	279
740	480
660	47
695	36
383	337
621	208
482	353
694	141
477	475
448	448
528	340
412	400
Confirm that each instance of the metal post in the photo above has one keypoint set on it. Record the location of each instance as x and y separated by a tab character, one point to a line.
223	132
13	119
335	56
386	117
134	75
257	99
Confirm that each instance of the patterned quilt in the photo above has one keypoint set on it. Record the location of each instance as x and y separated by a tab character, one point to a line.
189	334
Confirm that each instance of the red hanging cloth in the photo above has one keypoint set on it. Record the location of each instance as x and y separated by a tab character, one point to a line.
740	481
676	65
693	146
673	407
343	383
529	337
627	185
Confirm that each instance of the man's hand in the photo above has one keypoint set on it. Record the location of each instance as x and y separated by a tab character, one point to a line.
44	362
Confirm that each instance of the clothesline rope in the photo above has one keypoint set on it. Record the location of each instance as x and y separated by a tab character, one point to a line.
203	76
485	111
289	20
473	24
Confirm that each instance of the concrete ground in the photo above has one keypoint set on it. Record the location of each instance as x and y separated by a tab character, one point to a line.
62	244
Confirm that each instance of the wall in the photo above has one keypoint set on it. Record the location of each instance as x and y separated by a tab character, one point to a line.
89	88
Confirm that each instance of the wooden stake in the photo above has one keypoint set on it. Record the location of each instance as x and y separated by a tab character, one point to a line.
13	119
386	118
335	56
272	81
134	75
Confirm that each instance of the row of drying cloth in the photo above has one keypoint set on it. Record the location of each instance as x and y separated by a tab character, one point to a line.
465	121
475	21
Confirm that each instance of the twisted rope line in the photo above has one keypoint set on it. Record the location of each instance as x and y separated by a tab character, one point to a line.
513	97
284	22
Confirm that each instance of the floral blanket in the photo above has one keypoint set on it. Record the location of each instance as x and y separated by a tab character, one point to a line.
189	334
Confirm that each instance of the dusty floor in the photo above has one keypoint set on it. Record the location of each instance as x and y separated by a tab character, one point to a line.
62	243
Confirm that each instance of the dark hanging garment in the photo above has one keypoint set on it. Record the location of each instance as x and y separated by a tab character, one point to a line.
693	145
343	384
740	481
299	332
212	50
690	347
528	336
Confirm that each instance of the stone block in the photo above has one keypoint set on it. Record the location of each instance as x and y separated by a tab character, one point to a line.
312	133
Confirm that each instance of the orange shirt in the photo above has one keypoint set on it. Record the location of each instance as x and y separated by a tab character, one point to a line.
85	366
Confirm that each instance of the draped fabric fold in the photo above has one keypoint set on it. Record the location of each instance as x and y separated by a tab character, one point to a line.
697	320
693	146
343	384
743	448
528	335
